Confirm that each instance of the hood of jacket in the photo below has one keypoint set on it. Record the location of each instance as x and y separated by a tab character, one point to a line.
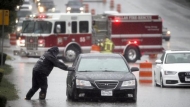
54	50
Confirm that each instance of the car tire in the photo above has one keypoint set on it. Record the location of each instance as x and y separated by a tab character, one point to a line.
155	83
71	54
68	95
167	39
74	96
161	81
131	50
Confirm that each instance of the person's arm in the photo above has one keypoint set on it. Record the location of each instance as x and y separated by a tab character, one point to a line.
57	63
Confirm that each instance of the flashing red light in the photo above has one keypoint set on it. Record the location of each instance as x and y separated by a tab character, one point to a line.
41	41
42	16
130	42
135	42
117	20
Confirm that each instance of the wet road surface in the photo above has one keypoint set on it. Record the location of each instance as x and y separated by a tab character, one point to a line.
176	19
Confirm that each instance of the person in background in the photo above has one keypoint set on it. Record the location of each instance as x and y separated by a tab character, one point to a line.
95	27
107	45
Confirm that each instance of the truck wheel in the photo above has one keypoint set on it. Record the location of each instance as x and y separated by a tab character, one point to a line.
167	39
71	54
131	54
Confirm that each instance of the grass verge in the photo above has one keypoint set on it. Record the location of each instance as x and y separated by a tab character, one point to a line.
7	89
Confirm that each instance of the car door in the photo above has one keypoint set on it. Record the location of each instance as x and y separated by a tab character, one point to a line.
158	68
71	74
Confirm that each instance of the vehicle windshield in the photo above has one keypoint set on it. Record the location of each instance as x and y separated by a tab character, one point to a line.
19	24
177	58
26	2
74	3
23	13
36	27
103	64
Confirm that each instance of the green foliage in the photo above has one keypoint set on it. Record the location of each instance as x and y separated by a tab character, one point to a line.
3	101
7	89
7	69
11	6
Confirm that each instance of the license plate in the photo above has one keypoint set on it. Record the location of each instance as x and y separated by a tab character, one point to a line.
106	93
187	79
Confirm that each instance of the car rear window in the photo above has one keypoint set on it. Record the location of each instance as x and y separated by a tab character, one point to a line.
115	64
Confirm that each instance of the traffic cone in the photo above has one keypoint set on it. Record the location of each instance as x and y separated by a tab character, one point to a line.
86	8
93	12
119	8
112	4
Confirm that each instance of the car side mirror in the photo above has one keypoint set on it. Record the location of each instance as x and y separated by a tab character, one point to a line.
58	28
134	69
158	61
71	69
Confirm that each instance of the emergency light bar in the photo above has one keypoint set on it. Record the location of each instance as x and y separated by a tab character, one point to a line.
38	16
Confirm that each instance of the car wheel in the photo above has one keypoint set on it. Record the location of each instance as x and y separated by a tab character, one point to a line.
131	54
68	95
74	95
161	82
155	83
71	54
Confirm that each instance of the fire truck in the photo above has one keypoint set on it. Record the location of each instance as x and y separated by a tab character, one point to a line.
133	35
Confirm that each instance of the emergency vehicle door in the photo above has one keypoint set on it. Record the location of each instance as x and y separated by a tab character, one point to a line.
114	28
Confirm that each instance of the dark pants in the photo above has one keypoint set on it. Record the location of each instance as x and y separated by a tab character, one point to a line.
39	80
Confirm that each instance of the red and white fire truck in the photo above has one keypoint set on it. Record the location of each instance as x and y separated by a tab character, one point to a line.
133	35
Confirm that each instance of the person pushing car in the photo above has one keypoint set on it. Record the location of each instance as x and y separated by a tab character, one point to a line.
41	71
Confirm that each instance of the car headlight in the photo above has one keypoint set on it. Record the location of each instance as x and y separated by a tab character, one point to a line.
128	83
41	9
170	72
17	7
168	32
18	29
82	83
30	7
68	8
53	9
81	8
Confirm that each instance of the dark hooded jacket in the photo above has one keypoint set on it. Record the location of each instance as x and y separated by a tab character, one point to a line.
49	60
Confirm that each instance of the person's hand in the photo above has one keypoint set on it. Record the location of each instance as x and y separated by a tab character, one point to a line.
67	67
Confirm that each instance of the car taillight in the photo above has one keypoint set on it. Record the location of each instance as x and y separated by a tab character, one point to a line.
41	42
